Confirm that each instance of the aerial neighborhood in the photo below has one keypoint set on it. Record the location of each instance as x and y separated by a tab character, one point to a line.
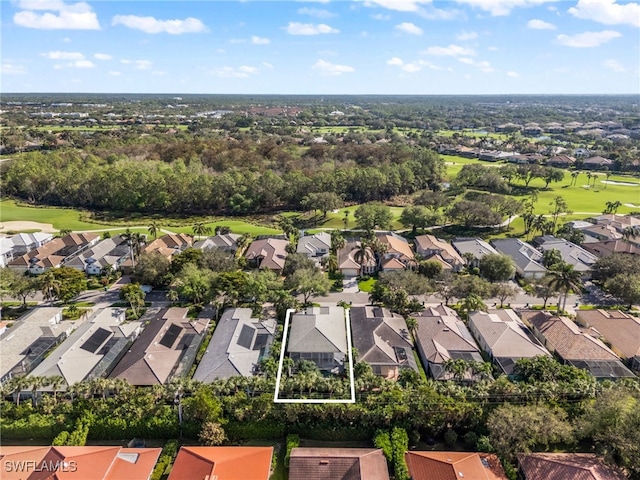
201	289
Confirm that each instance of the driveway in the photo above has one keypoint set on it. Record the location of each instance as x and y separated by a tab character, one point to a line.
350	285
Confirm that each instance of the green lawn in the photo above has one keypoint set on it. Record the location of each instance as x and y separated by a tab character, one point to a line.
367	285
60	218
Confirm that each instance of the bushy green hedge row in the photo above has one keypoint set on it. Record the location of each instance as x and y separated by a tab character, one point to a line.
394	444
293	441
34	425
268	430
168	455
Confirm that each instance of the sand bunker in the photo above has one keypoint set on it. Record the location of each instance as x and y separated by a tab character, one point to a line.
624	184
21	226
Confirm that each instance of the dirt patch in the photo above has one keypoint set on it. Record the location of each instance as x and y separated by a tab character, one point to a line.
21	226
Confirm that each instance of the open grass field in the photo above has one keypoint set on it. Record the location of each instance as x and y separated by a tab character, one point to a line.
60	218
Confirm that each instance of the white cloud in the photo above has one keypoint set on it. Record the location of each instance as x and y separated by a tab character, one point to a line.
411	67
115	73
125	61
82	64
57	15
66	40
260	40
499	8
153	25
267	65
398	5
536	24
316	12
12	69
465	36
614	65
243	71
607	12
587	39
158	73
512	74
450	51
102	56
296	28
381	16
58	55
482	65
143	64
331	69
410	28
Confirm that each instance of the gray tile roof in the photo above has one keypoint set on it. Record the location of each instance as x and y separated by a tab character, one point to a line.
318	329
381	337
442	336
31	336
504	335
570	252
315	245
236	347
227	242
527	259
85	348
479	248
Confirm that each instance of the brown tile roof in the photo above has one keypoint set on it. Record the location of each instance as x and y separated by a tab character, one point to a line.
150	360
10	456
607	247
396	245
168	244
337	464
271	251
454	466
621	330
566	466
347	256
222	463
87	463
42	252
567	339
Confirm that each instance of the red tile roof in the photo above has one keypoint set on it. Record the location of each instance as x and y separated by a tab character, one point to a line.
454	466
222	463
337	464
566	466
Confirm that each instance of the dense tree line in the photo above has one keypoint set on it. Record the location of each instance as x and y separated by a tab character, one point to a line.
242	185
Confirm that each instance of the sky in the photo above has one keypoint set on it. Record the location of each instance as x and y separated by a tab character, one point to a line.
420	47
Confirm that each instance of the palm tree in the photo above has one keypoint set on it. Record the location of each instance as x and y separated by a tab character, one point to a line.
243	242
49	286
631	232
154	228
337	240
412	326
35	383
608	174
345	219
473	303
574	177
201	229
55	383
564	278
363	255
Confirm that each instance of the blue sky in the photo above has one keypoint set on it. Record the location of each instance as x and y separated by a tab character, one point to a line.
321	47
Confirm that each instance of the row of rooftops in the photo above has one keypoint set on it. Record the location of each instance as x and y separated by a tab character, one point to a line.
105	344
254	463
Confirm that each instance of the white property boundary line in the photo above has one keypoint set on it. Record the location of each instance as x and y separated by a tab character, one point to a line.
276	399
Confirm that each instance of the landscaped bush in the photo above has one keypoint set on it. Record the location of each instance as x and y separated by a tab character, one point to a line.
450	437
293	441
266	429
400	443
168	455
382	440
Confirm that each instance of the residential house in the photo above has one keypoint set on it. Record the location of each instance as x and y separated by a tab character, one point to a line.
569	466
617	221
351	262
454	466
398	254
574	347
238	345
619	329
337	463
503	336
607	247
222	463
597	163
527	260
227	242
166	348
473	248
315	246
383	340
561	161
442	336
54	253
108	253
601	233
167	246
269	253
571	253
92	350
19	244
432	248
86	462
25	344
319	334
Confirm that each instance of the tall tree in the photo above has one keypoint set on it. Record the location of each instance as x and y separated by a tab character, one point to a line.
564	278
